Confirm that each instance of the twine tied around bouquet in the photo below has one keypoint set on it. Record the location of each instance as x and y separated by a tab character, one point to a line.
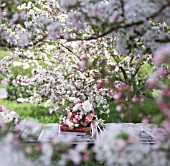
95	128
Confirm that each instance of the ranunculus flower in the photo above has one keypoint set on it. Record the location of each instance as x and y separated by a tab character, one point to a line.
8	118
89	117
87	106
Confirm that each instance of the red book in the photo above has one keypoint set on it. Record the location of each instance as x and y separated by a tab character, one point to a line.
66	128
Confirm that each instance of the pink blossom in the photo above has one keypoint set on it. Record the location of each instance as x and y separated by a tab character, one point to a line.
149	116
118	108
145	120
135	99
85	57
112	85
99	85
117	95
16	121
85	157
28	150
140	115
166	92
122	115
142	98
37	148
75	120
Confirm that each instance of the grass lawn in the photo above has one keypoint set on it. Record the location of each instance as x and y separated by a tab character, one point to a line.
28	110
41	114
3	53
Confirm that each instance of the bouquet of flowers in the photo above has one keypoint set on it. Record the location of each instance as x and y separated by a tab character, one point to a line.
8	117
80	115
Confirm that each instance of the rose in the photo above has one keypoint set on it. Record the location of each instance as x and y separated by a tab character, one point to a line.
89	117
87	106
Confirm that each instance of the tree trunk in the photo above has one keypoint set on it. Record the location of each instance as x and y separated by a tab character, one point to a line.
129	114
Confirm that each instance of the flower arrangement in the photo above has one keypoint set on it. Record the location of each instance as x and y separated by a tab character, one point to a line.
80	115
8	117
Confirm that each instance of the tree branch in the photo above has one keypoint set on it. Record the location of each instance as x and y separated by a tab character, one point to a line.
165	40
153	15
128	25
69	50
122	6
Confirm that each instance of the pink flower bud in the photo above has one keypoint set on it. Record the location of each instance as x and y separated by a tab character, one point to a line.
122	115
142	98
112	85
28	150
118	108
166	92
149	116
145	120
140	115
37	148
85	157
114	66
85	57
99	86
135	99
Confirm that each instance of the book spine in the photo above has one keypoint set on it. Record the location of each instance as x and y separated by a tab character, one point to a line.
76	129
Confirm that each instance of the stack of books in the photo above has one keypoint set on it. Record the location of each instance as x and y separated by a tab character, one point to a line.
64	129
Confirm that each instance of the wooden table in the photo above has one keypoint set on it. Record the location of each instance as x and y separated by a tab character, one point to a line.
144	133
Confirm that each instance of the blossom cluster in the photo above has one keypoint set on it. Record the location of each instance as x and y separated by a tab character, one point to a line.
81	114
7	116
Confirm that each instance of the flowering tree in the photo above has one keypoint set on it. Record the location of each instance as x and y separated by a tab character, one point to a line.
91	50
82	49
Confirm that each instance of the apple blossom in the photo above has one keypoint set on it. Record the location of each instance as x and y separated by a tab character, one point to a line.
8	118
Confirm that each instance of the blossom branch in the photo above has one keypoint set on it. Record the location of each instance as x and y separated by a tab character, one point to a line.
128	25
